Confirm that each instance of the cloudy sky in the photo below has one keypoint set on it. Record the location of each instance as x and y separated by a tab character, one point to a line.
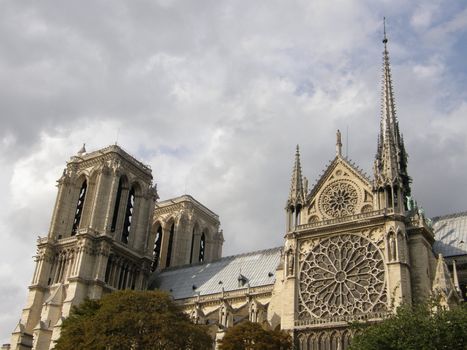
214	95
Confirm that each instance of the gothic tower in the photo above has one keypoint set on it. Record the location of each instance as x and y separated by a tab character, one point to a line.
355	248
185	232
99	241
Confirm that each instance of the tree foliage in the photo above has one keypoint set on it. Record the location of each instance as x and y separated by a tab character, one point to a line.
136	320
251	336
416	328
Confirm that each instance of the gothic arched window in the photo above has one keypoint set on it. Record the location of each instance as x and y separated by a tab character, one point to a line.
169	248
157	248
202	247
117	205
128	215
79	208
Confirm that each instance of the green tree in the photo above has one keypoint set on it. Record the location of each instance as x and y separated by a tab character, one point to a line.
416	328
251	336
131	320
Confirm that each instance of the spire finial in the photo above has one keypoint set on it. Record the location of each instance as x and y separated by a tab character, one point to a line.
338	143
385	39
82	150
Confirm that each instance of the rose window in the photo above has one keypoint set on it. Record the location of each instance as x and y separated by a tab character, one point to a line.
339	199
342	275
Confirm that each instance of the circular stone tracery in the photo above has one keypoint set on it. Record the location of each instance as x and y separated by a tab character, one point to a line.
343	275
339	199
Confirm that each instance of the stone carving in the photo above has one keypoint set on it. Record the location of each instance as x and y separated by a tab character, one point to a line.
290	262
343	275
339	199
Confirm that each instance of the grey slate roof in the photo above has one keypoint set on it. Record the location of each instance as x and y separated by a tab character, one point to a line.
450	234
257	267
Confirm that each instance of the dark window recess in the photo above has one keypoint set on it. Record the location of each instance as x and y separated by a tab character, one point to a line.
117	205
157	249
192	245
79	208
128	216
202	247
108	269
169	248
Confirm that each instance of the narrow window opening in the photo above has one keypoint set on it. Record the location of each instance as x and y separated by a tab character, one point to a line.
396	197
79	208
169	248
389	196
192	245
202	247
128	216
117	205
108	269
157	249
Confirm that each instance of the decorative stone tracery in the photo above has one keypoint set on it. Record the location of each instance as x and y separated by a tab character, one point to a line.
343	275
339	199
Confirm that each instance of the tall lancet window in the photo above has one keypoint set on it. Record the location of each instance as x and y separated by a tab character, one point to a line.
169	248
128	215
157	249
79	208
192	244
117	205
202	247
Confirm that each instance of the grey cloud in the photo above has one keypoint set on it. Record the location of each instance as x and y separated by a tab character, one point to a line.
214	96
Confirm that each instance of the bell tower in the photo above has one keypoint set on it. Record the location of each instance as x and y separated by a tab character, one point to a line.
98	241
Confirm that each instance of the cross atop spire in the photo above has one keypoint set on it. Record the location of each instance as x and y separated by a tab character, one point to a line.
385	39
296	197
391	158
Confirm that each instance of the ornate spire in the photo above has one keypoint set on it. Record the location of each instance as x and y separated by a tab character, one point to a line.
391	157
296	197
442	283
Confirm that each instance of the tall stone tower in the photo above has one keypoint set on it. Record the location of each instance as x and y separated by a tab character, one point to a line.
99	241
186	232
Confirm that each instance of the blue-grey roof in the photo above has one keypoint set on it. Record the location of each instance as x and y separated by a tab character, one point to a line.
256	268
450	234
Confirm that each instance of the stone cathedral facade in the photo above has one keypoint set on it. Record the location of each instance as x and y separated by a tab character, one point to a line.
354	248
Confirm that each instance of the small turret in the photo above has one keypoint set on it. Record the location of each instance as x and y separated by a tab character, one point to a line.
296	198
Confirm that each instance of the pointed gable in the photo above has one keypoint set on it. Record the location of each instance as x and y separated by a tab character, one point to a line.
342	190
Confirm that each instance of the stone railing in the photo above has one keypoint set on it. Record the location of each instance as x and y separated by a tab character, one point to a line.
343	318
344	219
238	293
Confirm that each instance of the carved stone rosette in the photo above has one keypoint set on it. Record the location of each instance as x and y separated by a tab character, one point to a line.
343	275
339	198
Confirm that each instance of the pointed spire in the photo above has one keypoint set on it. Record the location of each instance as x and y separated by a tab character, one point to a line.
391	157
338	143
442	281
296	196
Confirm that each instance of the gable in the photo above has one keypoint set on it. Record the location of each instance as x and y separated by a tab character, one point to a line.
342	191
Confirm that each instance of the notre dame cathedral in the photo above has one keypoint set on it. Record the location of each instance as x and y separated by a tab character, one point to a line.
354	248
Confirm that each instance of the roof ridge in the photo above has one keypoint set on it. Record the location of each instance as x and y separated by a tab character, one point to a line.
173	268
449	216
